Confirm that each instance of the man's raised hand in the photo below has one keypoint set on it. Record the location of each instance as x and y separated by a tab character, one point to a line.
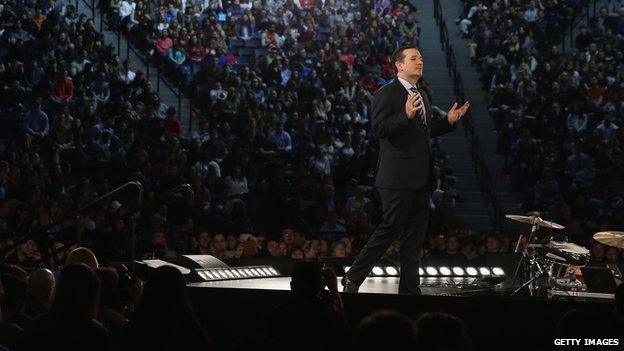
456	113
412	105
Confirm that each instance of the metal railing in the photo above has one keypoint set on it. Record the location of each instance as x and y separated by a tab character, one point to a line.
486	183
584	17
145	60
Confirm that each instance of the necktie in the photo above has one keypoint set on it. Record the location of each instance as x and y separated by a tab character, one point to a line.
421	113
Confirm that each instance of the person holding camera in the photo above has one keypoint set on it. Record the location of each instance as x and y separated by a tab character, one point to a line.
311	310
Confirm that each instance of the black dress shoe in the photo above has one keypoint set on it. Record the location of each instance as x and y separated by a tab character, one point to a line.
349	286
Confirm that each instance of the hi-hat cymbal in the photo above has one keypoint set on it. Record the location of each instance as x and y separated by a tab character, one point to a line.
615	239
535	220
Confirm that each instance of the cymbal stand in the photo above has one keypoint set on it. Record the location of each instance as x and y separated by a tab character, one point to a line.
525	254
535	271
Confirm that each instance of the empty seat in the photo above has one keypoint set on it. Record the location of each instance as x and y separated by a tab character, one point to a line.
237	42
244	60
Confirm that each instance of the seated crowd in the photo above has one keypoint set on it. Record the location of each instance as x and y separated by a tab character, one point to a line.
270	178
81	122
558	113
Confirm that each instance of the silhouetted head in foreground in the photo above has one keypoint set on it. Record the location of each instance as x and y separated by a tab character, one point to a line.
385	330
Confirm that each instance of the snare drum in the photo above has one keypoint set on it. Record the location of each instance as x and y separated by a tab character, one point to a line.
572	253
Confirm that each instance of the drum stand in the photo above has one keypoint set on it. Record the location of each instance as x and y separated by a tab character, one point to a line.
535	272
528	259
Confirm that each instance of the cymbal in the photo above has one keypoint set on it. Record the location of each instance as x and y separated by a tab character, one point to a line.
535	220
615	239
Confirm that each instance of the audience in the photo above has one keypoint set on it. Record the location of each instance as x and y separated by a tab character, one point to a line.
372	332
283	152
441	331
557	111
164	318
311	310
71	323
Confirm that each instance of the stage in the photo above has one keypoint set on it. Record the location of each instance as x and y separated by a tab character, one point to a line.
494	319
373	285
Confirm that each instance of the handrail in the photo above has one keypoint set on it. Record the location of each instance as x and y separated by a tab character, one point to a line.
177	189
574	25
100	199
159	77
486	184
80	210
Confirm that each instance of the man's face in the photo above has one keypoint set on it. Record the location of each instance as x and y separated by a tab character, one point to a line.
340	251
203	240
412	64
219	242
492	244
287	236
160	239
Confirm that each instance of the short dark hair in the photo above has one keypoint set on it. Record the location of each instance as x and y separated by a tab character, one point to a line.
399	54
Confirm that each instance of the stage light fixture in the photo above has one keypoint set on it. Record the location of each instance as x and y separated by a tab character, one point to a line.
229	273
432	271
392	271
445	271
380	271
498	271
473	272
377	271
458	271
461	272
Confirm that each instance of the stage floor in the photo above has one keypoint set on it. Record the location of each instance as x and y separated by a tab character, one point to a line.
372	285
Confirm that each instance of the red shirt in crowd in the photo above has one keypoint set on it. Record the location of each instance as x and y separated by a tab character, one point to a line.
64	89
348	59
307	4
595	92
163	45
173	126
369	84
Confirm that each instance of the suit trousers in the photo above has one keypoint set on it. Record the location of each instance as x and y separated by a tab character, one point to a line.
405	216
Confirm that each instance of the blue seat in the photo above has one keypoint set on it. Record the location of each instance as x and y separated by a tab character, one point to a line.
245	51
237	42
244	60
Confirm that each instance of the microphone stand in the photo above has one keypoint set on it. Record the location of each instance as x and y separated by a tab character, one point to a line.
76	213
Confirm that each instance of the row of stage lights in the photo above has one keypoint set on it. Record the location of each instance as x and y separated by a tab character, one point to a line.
442	271
227	273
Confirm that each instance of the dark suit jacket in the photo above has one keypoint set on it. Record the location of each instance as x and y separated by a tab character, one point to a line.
405	160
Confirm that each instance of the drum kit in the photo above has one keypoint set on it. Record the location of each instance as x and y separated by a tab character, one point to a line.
552	261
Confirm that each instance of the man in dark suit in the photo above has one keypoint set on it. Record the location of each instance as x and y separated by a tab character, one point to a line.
401	120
